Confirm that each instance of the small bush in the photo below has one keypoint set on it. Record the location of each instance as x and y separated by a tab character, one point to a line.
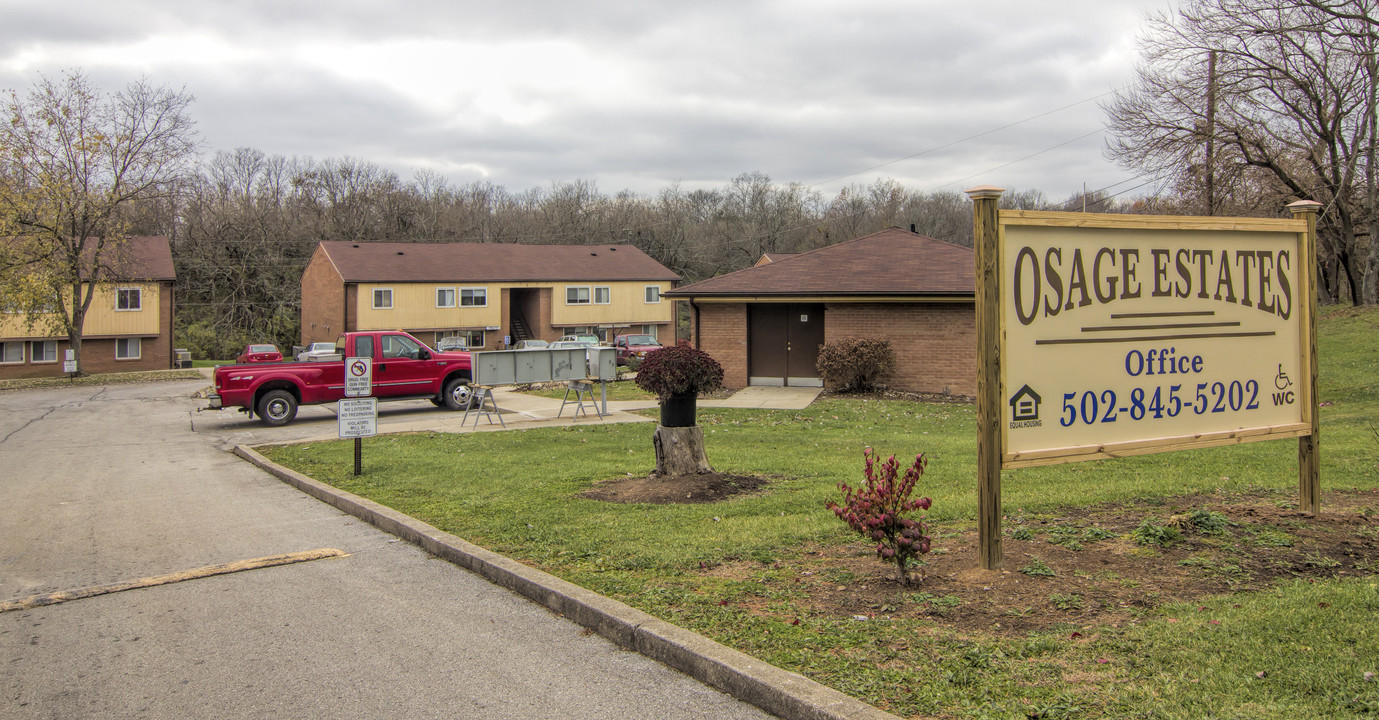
877	510
679	370
856	364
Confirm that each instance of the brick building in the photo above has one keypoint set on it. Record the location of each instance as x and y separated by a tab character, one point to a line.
485	292
765	324
127	328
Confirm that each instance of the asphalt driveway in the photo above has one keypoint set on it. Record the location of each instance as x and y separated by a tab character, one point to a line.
106	485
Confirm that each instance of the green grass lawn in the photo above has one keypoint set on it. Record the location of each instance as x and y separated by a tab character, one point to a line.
618	390
517	493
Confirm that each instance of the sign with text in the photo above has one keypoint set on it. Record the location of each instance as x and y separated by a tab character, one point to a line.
358	377
358	417
1123	336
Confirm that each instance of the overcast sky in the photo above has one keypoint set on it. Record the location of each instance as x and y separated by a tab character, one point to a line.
631	95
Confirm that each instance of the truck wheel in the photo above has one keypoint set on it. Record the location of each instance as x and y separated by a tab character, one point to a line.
277	407
457	394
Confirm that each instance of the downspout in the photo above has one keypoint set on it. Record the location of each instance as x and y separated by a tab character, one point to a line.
694	322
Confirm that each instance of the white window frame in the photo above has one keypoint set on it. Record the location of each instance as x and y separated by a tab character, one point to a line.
475	296
34	355
588	295
6	346
135	343
375	296
124	294
474	338
441	292
647	294
604	290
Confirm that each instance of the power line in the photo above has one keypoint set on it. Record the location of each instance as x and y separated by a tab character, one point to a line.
965	139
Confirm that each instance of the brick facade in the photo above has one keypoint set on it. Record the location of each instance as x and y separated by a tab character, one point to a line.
935	343
323	301
720	329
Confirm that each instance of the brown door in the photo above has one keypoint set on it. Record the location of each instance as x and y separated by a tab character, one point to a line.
804	334
766	339
783	344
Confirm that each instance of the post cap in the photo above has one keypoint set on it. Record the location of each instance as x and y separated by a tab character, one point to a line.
985	191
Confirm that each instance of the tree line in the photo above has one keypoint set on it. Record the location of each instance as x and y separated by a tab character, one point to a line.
245	226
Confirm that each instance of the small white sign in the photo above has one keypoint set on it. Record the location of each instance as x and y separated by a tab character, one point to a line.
69	366
358	417
358	377
71	355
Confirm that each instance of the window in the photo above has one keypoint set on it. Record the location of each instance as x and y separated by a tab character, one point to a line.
43	351
445	297
576	295
653	293
12	352
400	346
363	346
474	297
650	330
127	299
126	348
602	295
449	340
383	298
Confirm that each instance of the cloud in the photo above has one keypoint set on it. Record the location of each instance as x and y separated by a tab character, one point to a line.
626	94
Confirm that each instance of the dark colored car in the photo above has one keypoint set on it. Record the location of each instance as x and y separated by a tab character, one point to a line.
260	354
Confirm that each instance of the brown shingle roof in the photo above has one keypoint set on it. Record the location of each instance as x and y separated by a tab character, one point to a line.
890	262
490	262
138	258
144	257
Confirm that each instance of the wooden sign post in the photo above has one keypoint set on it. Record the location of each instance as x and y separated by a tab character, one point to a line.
1103	336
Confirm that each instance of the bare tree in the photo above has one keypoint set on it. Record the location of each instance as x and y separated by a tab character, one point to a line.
74	166
1287	106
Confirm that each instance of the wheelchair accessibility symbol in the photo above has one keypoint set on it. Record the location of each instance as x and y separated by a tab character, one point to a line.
1284	396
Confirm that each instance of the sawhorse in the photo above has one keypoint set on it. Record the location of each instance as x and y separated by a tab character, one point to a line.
582	389
483	405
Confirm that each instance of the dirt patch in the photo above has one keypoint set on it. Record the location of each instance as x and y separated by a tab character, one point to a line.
1083	568
704	488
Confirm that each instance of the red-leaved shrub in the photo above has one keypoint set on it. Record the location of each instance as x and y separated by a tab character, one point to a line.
878	511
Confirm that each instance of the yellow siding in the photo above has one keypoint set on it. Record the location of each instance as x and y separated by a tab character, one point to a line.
414	306
626	305
101	319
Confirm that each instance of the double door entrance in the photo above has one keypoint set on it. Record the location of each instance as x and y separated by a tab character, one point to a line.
783	344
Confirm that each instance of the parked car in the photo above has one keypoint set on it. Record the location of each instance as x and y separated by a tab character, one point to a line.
316	351
591	340
531	345
634	346
571	344
260	354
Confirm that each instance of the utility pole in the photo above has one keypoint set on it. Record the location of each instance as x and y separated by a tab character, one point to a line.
1211	132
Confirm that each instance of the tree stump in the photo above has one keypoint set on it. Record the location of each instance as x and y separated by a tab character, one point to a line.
680	451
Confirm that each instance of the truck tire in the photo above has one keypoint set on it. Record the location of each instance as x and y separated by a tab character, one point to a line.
457	394
277	407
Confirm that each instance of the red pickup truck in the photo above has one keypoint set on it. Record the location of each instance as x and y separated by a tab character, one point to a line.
403	367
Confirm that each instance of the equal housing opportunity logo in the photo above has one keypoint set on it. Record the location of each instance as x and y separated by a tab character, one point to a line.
1024	408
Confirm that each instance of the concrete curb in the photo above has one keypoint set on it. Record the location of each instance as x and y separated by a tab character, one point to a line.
781	693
